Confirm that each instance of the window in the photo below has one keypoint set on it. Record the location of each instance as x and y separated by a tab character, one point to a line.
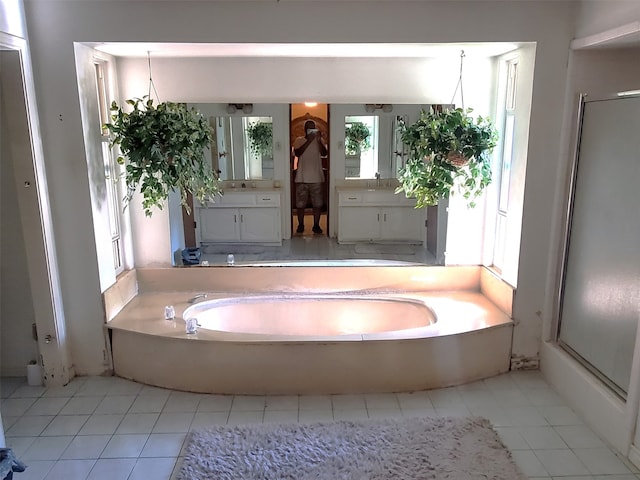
365	156
503	170
111	168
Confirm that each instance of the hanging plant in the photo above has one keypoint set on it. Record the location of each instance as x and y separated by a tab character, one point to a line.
448	151
164	146
356	138
261	138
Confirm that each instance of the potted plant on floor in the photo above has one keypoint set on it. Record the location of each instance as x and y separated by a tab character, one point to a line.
448	152
164	145
261	138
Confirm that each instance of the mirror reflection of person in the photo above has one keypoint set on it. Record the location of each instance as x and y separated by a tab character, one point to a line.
309	177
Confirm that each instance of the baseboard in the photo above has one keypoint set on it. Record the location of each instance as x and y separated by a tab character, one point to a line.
634	455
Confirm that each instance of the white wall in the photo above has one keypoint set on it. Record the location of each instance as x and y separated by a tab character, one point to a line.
17	346
597	16
55	25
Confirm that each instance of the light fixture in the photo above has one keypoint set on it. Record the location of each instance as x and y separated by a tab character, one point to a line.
310	104
245	107
372	107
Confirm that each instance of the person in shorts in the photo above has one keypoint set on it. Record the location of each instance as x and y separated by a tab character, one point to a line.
309	177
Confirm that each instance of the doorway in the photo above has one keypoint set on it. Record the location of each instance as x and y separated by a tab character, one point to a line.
299	113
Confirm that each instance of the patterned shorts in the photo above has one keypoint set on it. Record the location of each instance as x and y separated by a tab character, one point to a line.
306	190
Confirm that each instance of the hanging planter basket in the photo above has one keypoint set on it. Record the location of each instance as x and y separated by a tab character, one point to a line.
163	148
457	159
448	151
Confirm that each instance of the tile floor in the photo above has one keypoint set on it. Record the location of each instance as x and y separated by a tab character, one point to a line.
310	247
110	428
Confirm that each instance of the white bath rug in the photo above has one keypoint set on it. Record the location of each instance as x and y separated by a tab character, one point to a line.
398	449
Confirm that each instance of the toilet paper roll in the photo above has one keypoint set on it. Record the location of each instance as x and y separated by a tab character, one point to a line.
34	375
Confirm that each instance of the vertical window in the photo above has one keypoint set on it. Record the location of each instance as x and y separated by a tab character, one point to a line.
366	165
111	167
504	166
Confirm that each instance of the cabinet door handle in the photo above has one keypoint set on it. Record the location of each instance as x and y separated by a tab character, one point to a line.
352	198
235	218
385	217
241	218
378	217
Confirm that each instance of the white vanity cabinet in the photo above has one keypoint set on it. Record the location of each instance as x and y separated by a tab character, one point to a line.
241	217
367	215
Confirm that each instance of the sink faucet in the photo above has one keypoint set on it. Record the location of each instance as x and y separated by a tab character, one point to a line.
377	179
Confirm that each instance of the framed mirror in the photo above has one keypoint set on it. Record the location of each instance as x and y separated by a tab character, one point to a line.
242	147
373	146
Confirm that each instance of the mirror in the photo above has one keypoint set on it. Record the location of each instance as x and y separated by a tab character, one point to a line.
242	147
242	144
373	146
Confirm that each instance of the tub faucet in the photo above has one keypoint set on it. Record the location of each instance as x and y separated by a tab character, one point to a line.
198	297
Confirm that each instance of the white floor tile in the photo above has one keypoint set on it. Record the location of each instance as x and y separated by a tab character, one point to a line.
115	404
47	448
163	445
315	402
30	426
248	403
15	406
148	404
512	438
65	425
559	415
19	445
601	461
579	436
181	402
153	468
81	406
381	400
125	446
84	447
347	402
71	470
215	403
384	413
137	423
47	406
244	417
350	414
173	422
281	402
459	411
124	387
208	419
542	438
112	469
561	462
101	424
68	390
525	417
280	416
446	398
26	391
37	470
414	400
529	463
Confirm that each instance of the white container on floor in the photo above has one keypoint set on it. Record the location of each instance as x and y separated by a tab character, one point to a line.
34	375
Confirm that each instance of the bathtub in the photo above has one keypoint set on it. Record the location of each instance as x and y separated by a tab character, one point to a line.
311	315
398	331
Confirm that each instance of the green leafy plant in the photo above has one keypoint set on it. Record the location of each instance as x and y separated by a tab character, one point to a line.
356	138
261	138
448	151
164	146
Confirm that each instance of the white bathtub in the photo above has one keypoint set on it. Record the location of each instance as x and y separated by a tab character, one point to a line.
311	314
331	339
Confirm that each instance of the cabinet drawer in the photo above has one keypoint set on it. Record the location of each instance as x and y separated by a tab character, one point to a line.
350	198
267	199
